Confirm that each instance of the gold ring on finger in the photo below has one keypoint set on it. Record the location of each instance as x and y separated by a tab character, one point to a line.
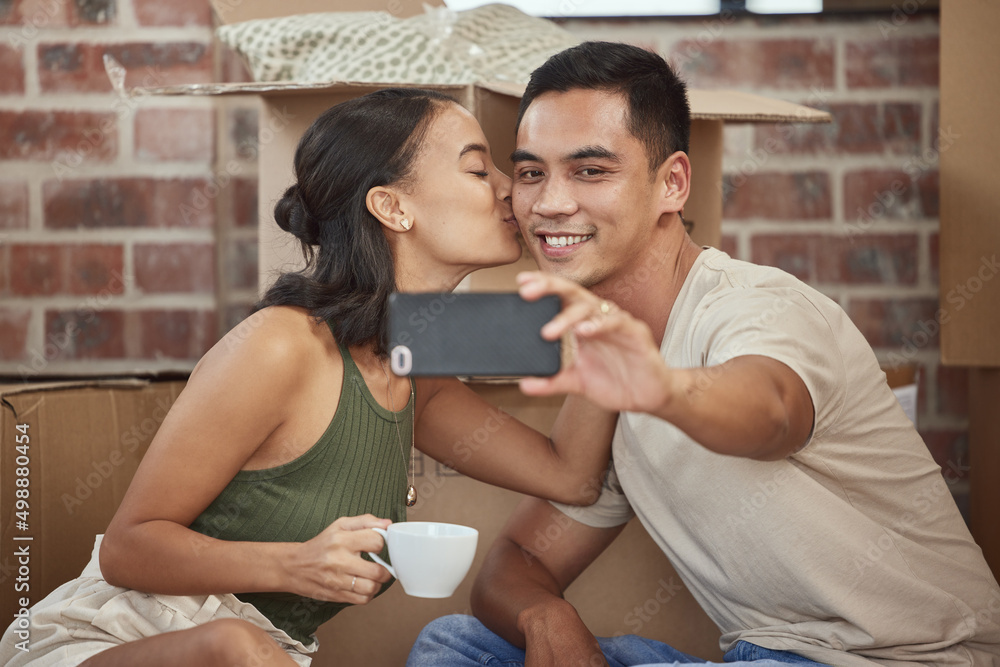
353	581
605	307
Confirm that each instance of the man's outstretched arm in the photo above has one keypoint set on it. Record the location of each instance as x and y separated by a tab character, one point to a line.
518	593
752	406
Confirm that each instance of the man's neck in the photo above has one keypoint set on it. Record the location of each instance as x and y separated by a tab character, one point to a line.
650	289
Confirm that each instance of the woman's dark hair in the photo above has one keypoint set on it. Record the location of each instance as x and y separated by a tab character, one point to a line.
658	112
352	147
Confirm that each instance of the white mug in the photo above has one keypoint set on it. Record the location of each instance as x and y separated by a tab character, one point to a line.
429	559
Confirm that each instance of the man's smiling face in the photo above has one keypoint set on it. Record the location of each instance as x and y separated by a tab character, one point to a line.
583	194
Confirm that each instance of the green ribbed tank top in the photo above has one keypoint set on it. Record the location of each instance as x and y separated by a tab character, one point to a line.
354	468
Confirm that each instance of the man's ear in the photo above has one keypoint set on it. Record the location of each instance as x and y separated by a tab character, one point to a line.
674	175
384	203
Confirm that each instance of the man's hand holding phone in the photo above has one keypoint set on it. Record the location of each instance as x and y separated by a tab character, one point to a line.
615	362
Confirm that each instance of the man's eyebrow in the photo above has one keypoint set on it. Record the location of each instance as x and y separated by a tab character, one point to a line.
521	155
589	152
585	153
473	148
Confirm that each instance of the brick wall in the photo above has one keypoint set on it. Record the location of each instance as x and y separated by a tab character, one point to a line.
126	243
121	248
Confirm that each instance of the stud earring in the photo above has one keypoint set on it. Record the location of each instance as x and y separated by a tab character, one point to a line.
405	224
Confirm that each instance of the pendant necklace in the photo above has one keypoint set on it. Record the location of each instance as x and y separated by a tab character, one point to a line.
411	491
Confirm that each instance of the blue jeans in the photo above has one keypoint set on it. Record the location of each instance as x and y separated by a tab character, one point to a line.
463	640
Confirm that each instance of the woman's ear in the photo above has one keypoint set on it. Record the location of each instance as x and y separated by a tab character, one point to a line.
384	203
675	177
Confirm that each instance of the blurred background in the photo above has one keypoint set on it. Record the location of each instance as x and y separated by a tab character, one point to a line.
128	225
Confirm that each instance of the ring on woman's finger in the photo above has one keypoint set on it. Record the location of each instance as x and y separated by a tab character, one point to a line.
605	307
353	581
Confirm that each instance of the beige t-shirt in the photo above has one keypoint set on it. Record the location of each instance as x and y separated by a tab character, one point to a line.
850	551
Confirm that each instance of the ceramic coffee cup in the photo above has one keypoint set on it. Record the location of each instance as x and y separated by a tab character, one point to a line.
429	559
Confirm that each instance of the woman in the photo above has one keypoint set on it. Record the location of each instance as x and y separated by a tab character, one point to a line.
291	438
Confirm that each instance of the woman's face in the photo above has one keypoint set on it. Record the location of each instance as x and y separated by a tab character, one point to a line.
458	201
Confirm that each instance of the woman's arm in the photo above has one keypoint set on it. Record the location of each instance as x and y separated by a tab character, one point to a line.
238	399
459	428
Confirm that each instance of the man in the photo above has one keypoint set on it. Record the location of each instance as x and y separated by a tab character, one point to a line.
730	378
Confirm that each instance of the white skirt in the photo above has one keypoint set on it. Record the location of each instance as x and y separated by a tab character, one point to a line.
88	615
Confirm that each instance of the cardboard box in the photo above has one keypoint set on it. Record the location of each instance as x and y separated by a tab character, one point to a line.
288	108
969	163
85	440
969	314
77	445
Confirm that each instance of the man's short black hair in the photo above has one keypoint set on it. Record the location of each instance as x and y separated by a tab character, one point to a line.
658	112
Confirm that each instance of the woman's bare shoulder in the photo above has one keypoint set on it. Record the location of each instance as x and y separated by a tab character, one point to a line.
280	340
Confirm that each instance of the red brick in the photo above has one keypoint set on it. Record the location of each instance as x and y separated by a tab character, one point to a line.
48	269
953	391
934	243
796	254
874	195
12	67
950	449
175	267
80	67
869	258
244	208
175	134
34	15
76	68
833	259
177	334
4	269
179	12
13	205
95	269
241	264
36	269
856	128
901	126
243	124
929	192
85	334
891	63
905	326
775	196
69	137
127	202
730	245
165	64
40	14
14	333
743	63
96	11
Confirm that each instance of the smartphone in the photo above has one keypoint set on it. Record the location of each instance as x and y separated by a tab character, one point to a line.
472	334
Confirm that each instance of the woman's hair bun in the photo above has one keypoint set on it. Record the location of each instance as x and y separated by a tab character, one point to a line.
291	215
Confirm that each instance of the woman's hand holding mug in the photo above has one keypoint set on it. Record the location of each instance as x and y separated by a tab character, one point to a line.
329	567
